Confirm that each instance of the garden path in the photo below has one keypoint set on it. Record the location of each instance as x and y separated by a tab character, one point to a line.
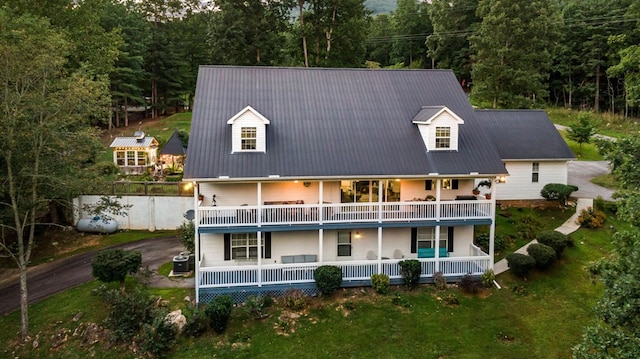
569	226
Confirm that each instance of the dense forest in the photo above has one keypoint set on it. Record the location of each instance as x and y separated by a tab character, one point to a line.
506	53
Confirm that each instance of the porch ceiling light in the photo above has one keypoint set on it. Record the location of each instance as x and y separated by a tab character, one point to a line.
306	184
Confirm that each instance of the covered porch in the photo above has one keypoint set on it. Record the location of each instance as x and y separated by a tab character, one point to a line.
356	272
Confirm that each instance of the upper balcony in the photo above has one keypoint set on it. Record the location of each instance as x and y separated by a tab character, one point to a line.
328	214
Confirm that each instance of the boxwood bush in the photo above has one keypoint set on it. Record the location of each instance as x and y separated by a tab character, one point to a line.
380	283
219	312
555	240
328	279
410	270
542	254
520	264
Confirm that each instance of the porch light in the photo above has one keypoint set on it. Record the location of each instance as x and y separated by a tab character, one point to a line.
306	184
357	235
501	179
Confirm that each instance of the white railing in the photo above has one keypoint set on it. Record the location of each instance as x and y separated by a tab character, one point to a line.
476	251
341	212
234	276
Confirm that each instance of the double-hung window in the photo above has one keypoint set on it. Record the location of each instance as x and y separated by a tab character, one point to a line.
426	237
535	172
344	244
248	136
443	137
244	245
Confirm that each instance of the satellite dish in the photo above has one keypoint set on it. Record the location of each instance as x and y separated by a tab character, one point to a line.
190	215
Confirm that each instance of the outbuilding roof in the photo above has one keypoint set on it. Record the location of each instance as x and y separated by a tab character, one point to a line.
174	146
524	135
134	142
332	123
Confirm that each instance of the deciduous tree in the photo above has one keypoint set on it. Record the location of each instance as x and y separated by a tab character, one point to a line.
45	134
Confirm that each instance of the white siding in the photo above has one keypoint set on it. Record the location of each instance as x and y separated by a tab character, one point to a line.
307	242
249	119
428	132
518	185
410	189
236	194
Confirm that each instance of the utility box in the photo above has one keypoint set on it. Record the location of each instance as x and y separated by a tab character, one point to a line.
181	264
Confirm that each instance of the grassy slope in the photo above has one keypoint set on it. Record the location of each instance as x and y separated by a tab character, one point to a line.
493	324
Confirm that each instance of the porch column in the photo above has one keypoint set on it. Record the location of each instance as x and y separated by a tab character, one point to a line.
379	249
198	256
259	214
320	245
259	258
436	254
492	227
320	201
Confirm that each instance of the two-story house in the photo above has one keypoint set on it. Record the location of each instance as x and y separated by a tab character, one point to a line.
355	168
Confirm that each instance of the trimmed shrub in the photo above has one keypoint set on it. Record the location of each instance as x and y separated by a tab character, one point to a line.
219	312
591	218
196	322
439	281
158	337
328	279
542	254
520	264
557	192
113	265
488	277
380	283
555	240
410	270
469	284
482	241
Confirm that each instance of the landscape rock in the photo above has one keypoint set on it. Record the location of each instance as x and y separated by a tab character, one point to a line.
177	319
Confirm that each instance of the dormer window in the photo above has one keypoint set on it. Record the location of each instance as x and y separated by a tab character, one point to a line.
248	131
439	128
443	137
248	135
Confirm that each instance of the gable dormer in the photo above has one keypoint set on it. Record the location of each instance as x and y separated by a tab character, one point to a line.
248	131
438	127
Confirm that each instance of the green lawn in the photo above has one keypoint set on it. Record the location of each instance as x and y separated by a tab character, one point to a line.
358	323
606	124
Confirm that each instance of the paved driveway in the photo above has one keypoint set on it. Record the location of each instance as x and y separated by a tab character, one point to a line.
48	279
580	172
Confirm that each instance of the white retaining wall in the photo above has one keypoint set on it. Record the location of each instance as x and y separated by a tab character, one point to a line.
147	212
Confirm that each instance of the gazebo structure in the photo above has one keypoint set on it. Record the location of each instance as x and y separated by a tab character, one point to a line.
173	154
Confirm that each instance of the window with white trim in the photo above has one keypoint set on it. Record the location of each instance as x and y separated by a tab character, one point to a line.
535	172
245	245
443	137
426	237
344	244
248	137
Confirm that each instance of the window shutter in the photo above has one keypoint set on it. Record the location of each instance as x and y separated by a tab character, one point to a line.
414	240
267	245
428	185
454	184
450	239
227	246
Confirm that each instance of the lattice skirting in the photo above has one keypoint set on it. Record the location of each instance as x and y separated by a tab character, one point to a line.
240	294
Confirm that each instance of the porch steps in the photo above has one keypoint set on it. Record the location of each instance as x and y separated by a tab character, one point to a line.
569	226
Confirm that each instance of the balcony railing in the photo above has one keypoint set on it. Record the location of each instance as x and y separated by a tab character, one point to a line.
271	274
342	212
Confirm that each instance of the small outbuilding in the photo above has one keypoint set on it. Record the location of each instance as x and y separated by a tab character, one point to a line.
173	153
133	155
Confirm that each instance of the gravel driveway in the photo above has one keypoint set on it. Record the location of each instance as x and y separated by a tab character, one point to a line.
580	172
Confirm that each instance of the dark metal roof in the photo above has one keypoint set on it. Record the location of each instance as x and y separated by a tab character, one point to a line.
174	146
524	134
332	123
